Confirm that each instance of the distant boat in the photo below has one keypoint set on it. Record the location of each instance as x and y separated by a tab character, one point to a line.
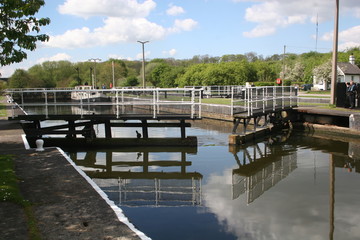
88	93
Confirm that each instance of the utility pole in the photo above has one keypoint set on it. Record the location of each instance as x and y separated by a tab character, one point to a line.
334	55
143	61
94	60
283	66
78	75
113	73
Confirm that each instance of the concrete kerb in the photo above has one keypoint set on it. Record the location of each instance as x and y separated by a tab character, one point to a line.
119	213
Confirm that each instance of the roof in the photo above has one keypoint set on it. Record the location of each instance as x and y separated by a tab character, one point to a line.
348	68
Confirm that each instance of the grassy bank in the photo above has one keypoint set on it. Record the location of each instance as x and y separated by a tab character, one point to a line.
10	192
2	107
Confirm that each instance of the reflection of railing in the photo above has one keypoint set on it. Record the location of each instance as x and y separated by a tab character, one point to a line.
250	100
154	102
262	166
139	181
154	192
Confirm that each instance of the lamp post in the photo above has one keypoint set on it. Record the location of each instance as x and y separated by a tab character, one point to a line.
143	61
94	60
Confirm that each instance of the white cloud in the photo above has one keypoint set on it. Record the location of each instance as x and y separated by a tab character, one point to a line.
124	21
57	57
111	8
72	39
171	52
269	15
120	57
348	38
175	10
260	31
184	25
114	30
7	71
140	56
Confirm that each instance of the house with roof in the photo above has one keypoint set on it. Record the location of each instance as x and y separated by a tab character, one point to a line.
346	71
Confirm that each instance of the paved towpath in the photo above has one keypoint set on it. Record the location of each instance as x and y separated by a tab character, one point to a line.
65	205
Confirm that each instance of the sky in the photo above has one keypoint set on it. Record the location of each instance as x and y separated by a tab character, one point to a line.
102	29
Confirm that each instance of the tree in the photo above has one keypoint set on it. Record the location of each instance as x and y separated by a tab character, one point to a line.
322	73
296	74
104	72
17	24
20	79
131	81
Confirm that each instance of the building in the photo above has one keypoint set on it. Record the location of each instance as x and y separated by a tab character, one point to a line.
347	71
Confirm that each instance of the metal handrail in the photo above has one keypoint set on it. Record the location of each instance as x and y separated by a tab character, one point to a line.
154	97
259	99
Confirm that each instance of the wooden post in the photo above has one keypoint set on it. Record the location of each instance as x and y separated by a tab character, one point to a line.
71	129
145	129
145	161
183	162
108	161
182	129
107	129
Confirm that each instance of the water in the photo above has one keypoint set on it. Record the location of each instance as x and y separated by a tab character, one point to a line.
293	186
289	186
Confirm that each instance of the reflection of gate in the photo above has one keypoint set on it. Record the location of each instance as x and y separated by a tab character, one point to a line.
153	192
261	169
133	178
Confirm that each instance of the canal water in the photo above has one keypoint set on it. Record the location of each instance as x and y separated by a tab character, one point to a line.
287	186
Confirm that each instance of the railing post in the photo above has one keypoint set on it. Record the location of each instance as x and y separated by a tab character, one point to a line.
192	102
282	97
46	100
232	101
22	98
274	98
155	99
263	101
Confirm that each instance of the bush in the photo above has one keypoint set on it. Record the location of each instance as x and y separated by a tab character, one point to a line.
262	84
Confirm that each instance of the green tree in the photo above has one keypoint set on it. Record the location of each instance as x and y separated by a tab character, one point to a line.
104	72
19	79
17	25
266	71
165	75
193	76
131	81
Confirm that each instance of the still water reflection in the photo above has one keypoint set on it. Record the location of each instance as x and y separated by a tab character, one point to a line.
286	187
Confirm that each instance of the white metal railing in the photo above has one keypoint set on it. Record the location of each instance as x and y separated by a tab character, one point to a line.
185	101
250	100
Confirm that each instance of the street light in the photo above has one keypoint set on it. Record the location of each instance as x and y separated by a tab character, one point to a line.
143	61
94	79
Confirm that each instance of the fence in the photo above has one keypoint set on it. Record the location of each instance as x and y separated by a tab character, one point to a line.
252	100
155	102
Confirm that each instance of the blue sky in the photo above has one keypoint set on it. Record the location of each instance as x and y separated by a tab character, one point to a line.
181	29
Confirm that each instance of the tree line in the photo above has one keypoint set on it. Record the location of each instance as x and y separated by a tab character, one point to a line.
198	71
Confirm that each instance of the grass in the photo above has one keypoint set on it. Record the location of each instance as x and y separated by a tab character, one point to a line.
315	96
2	108
317	92
10	192
224	101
